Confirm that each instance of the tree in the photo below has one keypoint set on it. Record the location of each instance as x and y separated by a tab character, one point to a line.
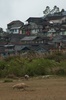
56	8
47	10
62	10
1	30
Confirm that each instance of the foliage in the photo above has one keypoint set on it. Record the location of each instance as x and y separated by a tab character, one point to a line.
19	66
57	56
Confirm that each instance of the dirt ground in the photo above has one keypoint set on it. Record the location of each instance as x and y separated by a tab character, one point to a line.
53	88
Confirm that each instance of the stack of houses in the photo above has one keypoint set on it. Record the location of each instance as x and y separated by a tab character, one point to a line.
40	34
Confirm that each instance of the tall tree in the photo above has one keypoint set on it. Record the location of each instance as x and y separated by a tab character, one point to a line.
56	9
47	10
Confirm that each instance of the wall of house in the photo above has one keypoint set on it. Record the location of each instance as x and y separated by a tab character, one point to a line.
15	31
65	32
34	31
62	33
63	19
56	21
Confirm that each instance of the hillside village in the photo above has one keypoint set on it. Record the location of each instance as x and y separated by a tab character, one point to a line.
40	34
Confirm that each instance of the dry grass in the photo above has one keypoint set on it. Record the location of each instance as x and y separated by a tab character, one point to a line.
53	88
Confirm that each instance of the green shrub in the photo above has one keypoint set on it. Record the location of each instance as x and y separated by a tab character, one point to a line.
2	64
19	66
61	72
39	66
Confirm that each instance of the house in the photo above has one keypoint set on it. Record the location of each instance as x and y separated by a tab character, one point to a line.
34	26
56	24
14	44
58	43
7	50
40	34
15	27
36	43
32	40
27	29
63	25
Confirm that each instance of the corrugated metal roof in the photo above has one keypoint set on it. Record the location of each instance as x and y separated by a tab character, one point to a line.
16	27
9	45
27	38
21	47
59	38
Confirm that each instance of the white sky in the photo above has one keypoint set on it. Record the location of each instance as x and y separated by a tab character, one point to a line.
23	9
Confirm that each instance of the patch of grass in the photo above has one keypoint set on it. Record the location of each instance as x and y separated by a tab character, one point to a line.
8	80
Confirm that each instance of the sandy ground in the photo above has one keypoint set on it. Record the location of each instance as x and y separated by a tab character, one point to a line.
53	88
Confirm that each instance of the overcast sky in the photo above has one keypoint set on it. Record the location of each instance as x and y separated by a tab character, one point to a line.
23	9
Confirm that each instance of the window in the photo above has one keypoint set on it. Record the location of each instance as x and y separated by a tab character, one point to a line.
15	30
